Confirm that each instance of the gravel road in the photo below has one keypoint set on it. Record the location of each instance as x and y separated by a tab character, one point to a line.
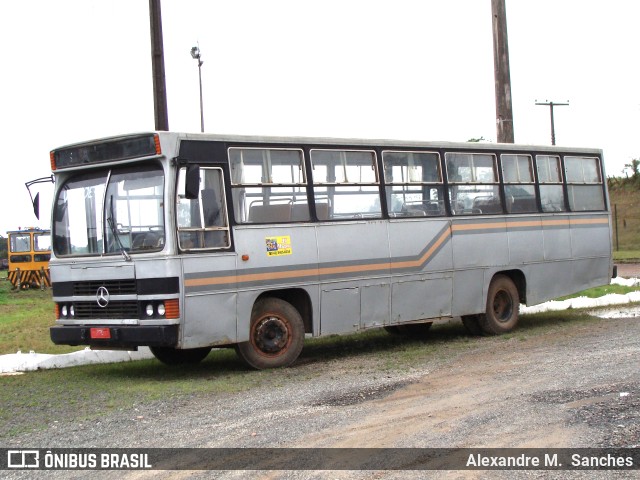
575	385
629	270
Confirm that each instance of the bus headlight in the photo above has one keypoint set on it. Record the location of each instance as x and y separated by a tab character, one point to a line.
72	311
159	309
64	311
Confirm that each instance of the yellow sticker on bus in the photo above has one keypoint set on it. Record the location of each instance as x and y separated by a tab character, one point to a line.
277	246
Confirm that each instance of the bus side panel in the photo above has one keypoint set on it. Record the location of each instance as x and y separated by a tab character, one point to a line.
340	310
209	300
279	257
480	243
588	240
421	266
375	306
578	253
556	236
546	281
418	299
211	320
591	246
353	257
525	241
468	292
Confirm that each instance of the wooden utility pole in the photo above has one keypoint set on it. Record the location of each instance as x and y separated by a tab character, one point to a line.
504	112
157	65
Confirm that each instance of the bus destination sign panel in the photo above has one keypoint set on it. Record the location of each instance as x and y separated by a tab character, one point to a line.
107	151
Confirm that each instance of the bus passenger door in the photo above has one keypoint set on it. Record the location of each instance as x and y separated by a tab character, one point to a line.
209	268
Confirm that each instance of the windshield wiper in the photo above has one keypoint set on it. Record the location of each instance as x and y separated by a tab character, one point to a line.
114	231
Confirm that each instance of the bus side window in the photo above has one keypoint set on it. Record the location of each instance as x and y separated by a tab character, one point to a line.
473	183
202	221
414	183
550	179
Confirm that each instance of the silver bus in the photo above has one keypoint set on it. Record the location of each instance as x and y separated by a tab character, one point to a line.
188	242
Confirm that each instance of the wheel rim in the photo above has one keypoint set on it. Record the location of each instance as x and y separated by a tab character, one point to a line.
271	336
502	306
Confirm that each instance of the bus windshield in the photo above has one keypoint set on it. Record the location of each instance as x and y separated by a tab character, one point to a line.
110	212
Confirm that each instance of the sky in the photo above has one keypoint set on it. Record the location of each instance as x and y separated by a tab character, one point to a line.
75	70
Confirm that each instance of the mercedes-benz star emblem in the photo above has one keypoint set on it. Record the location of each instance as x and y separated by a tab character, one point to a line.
102	297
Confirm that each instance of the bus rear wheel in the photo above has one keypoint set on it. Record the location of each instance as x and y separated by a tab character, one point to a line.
276	335
174	356
503	304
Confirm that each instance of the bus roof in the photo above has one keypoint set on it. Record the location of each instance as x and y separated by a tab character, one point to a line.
335	141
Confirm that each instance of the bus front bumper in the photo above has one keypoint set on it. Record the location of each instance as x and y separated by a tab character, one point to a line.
116	337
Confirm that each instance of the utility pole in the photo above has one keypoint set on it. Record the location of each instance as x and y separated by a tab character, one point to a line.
502	76
551	105
157	65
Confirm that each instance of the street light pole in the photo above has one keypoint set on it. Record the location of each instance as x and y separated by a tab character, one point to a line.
551	105
195	53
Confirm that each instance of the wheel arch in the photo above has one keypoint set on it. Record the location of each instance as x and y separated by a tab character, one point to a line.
519	279
299	298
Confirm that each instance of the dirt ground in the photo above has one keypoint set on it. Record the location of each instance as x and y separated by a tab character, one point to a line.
574	385
629	270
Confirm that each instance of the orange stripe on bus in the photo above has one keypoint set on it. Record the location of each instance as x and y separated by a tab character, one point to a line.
253	277
310	272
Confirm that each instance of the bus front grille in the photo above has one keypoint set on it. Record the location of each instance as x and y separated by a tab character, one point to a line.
114	310
115	287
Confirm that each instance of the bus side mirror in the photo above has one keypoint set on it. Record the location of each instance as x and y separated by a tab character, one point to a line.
192	182
36	205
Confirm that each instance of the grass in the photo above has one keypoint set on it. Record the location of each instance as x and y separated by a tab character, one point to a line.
627	256
25	318
597	292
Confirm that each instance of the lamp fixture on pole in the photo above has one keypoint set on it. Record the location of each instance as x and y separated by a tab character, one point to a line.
195	54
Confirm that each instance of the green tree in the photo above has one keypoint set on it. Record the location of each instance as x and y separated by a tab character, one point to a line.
3	247
634	166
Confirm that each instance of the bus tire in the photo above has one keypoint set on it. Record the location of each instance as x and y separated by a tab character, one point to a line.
472	324
174	356
503	304
276	335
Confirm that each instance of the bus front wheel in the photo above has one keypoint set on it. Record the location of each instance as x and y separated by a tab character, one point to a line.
276	335
503	304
